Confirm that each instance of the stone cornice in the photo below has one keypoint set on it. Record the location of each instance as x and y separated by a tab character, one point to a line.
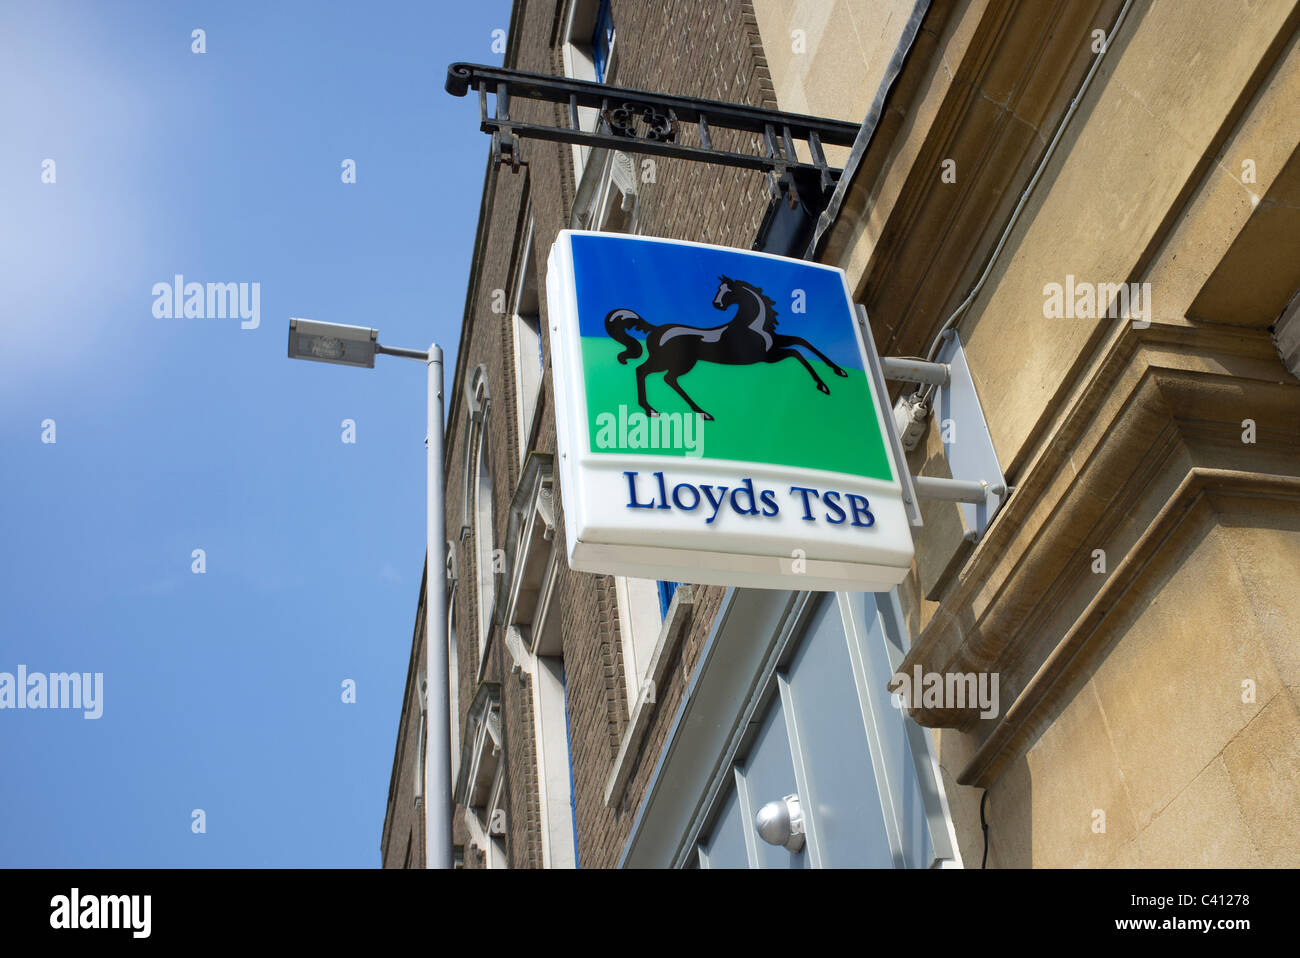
1161	406
1020	724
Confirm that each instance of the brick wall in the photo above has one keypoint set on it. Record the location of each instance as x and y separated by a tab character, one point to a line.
704	48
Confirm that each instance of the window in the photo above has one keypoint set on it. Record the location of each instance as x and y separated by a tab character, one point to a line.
823	729
479	518
535	643
453	663
650	640
642	609
588	54
530	349
602	40
554	765
422	742
640	618
480	781
666	591
483	545
496	823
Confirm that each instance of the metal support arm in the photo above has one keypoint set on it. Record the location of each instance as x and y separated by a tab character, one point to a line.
638	121
420	354
976	492
915	371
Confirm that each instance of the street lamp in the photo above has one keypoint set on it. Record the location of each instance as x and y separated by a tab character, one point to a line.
333	343
357	346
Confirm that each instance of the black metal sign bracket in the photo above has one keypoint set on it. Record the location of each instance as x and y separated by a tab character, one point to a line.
658	124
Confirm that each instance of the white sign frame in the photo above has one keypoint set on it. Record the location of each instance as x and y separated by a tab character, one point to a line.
605	534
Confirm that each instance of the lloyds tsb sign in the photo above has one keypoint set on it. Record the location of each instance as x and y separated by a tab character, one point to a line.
717	419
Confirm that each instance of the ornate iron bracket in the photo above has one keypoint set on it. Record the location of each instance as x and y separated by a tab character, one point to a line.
659	124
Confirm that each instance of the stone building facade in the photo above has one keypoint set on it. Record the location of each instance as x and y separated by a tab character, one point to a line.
1136	593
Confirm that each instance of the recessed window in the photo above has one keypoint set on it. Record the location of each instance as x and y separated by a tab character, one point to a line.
453	661
588	54
554	765
453	697
642	607
530	348
483	543
480	783
479	519
602	40
666	591
640	620
421	743
496	823
535	643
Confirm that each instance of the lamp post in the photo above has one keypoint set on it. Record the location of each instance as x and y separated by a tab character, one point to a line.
357	346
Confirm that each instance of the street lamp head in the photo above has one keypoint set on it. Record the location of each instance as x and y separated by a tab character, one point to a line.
332	343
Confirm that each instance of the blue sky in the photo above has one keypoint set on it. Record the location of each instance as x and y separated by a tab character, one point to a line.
222	691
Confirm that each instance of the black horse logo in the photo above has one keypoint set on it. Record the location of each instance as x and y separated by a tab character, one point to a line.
748	338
